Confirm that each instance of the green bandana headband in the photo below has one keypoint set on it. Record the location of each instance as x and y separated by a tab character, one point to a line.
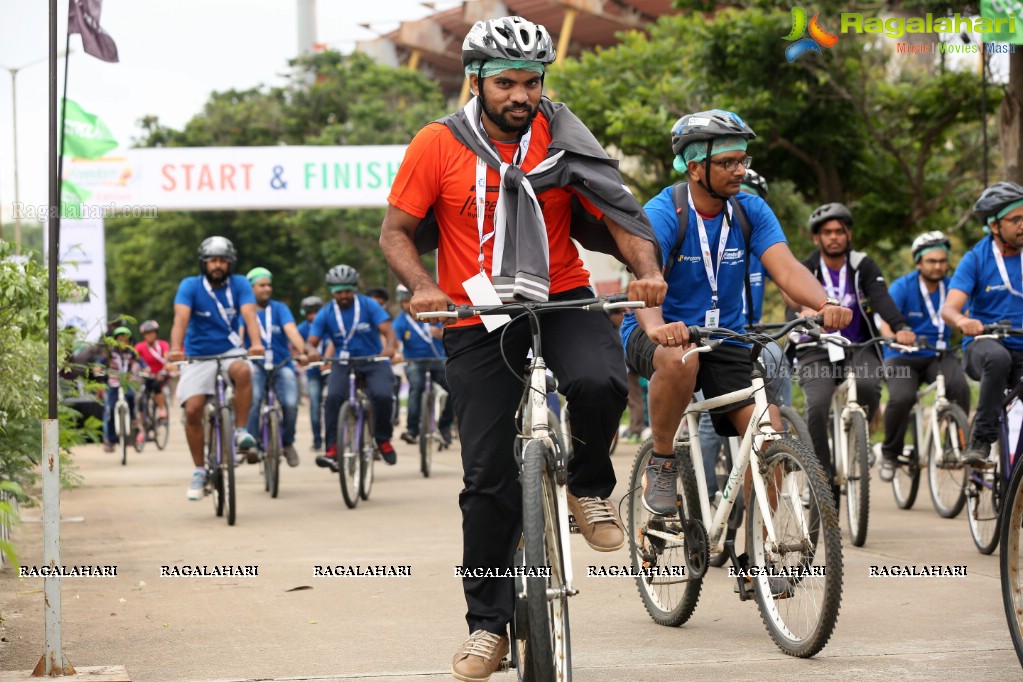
256	274
697	151
1005	211
492	67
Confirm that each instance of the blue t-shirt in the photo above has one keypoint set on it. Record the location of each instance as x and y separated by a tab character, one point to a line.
414	346
905	291
989	299
364	339
689	292
208	332
304	328
757	279
279	317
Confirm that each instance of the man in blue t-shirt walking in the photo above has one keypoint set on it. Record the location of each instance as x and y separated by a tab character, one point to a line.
919	295
277	328
990	279
354	323
207	307
706	286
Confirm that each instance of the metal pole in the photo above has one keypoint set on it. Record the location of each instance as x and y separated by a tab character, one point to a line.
14	128
306	26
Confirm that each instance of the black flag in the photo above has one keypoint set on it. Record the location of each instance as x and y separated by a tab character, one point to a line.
83	18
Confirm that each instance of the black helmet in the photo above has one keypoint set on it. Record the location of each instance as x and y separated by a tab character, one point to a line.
512	38
929	240
833	211
756	182
217	247
995	198
342	274
378	292
311	304
707	125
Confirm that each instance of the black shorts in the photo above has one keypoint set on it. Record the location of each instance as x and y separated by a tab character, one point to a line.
725	369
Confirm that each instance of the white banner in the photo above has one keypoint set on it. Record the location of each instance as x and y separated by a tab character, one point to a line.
83	260
143	181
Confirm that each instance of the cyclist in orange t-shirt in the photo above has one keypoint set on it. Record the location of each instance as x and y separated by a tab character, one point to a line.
444	176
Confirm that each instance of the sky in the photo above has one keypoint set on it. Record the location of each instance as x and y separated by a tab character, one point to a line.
173	54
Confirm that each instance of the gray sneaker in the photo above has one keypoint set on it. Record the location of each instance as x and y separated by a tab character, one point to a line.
977	455
292	455
660	486
887	469
196	485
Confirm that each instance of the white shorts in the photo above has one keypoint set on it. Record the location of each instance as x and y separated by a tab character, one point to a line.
200	378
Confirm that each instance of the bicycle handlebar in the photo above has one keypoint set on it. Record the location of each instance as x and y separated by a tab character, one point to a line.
698	334
999	330
605	303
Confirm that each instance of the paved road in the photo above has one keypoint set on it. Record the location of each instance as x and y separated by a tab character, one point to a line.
286	623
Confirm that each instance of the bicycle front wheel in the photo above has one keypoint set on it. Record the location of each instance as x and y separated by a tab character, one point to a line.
273	453
348	455
369	451
906	482
658	542
794	423
546	600
1011	560
798	581
140	424
161	425
946	475
227	462
124	434
427	426
857	485
213	455
984	505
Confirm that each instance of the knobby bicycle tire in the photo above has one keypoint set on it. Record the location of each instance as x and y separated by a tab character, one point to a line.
369	451
857	485
273	453
946	475
427	427
549	642
670	600
794	423
348	455
799	606
1011	560
983	505
213	470
906	482
227	463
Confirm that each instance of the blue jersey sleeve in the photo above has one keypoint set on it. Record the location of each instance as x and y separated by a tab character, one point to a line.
898	291
401	326
766	229
965	277
661	212
319	327
285	314
186	292
242	291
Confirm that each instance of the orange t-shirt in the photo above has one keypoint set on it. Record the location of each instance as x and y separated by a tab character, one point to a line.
439	171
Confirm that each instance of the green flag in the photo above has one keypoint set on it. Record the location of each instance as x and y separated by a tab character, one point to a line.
1003	9
85	136
71	199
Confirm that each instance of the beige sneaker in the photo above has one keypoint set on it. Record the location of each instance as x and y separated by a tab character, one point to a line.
479	657
598	522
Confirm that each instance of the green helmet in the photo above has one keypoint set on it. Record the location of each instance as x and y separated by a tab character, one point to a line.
256	274
121	330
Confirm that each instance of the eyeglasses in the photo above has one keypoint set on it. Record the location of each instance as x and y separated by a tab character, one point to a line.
730	165
931	261
1015	221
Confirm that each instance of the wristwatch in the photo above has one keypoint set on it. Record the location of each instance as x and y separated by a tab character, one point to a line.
829	301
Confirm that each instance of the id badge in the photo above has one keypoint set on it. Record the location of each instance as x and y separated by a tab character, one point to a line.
481	292
941	344
268	358
344	355
836	353
711	318
235	339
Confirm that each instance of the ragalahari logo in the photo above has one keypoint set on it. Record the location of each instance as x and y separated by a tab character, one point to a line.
819	36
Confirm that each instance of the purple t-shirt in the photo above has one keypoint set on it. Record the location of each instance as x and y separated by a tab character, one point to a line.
857	331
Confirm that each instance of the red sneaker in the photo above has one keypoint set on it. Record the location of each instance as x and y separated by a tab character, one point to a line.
328	460
387	451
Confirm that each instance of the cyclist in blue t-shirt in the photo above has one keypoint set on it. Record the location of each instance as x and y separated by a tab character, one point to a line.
207	307
990	279
920	296
706	286
311	305
355	323
423	349
277	328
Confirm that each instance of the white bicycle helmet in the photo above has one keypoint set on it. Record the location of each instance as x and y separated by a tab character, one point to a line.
929	240
508	38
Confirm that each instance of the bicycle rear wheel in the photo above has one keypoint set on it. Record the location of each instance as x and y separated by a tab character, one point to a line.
213	471
1011	560
946	475
427	429
857	485
549	655
658	542
984	504
273	453
348	455
369	451
906	482
161	425
227	463
799	589
124	433
723	467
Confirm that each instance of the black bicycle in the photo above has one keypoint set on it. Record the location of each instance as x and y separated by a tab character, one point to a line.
153	427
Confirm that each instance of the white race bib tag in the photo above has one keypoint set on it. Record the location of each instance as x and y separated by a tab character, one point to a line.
711	318
481	292
235	339
268	359
942	345
344	355
836	353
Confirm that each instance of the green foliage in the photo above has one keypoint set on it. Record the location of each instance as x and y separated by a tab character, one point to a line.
335	100
9	494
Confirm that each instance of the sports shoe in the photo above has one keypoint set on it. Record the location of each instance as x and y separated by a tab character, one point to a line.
161	414
479	657
660	486
195	487
598	522
445	435
409	437
328	460
887	469
781	588
292	455
977	455
317	447
387	451
243	440
108	446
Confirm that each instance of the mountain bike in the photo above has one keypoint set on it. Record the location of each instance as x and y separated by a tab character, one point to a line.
271	435
986	487
541	640
793	563
153	427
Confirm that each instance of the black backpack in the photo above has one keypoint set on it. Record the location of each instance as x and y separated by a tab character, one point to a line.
680	195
